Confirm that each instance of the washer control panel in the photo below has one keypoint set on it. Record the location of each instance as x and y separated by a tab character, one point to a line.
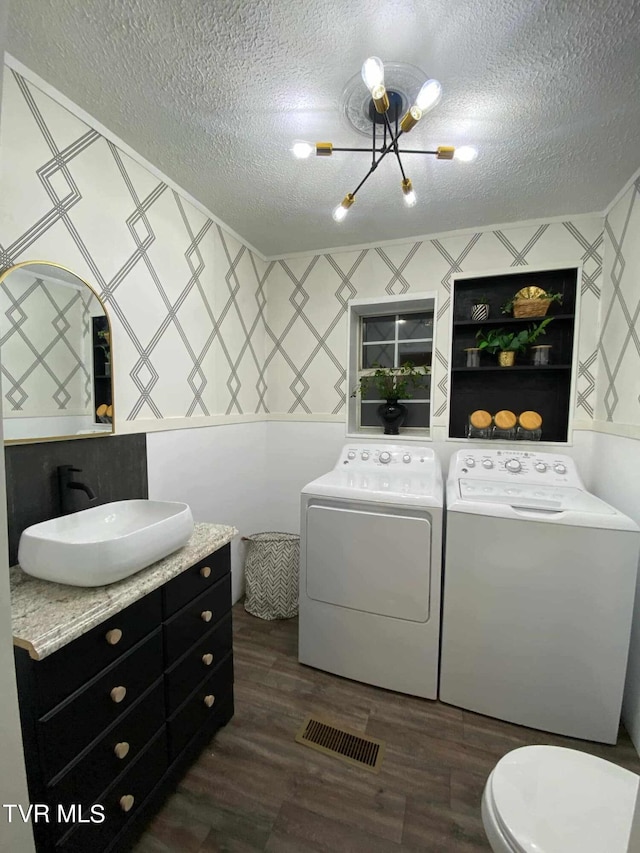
506	464
526	494
385	456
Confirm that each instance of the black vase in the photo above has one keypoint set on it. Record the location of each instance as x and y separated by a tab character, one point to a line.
392	414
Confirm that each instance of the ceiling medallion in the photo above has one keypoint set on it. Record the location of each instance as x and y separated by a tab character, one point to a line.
392	102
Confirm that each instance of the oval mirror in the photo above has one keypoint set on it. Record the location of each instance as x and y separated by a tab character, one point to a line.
55	355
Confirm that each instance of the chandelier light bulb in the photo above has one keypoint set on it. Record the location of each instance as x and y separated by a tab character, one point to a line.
410	119
373	76
373	73
466	154
409	194
410	199
429	95
301	149
343	208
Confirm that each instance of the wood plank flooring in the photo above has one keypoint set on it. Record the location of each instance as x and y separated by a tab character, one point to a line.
254	788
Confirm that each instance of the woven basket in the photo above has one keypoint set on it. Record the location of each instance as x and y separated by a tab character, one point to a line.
530	307
271	575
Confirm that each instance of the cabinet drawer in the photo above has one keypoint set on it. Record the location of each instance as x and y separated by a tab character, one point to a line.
196	618
137	782
70	727
201	659
195	580
100	765
196	711
63	672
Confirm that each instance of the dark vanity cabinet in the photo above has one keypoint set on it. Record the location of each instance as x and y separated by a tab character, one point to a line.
114	718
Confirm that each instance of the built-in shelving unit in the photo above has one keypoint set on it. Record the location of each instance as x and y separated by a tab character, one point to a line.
101	365
515	368
545	389
504	320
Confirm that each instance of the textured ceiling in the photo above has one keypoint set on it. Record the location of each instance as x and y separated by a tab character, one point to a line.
213	92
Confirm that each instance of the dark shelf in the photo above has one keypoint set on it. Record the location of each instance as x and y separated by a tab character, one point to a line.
511	369
525	386
101	381
506	320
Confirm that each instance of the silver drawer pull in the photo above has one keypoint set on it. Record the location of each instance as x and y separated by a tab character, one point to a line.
121	749
206	616
207	659
205	571
209	700
118	694
113	636
126	802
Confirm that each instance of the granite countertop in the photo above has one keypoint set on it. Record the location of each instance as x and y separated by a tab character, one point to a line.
45	616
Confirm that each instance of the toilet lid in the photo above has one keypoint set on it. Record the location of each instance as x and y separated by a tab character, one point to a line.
549	799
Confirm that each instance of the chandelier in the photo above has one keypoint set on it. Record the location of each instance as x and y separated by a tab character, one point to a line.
384	110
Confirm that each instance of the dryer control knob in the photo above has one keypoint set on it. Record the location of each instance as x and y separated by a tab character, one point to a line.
351	455
513	465
364	455
470	462
541	467
560	468
406	457
487	463
385	457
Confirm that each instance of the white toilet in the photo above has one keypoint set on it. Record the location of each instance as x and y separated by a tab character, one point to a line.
547	799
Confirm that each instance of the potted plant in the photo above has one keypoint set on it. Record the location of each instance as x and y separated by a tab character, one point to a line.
507	344
393	384
531	302
480	308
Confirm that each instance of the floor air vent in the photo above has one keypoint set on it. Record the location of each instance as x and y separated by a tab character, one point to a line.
354	748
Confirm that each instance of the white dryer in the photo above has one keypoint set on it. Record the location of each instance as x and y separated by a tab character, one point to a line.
370	568
538	594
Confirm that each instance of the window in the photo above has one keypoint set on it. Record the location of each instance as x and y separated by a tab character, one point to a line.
388	333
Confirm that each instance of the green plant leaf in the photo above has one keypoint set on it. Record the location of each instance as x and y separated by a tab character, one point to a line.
394	383
497	339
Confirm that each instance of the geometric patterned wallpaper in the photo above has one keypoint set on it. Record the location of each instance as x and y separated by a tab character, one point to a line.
185	298
307	299
203	326
45	335
619	344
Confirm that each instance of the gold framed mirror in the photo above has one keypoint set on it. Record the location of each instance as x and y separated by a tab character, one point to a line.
56	355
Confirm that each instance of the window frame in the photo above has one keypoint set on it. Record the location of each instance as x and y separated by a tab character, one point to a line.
386	305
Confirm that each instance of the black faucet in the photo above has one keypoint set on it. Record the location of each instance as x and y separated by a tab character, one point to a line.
66	482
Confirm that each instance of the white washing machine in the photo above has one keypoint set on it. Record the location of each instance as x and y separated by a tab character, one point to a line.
538	594
370	568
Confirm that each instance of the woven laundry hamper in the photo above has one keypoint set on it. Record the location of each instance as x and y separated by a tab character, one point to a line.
271	575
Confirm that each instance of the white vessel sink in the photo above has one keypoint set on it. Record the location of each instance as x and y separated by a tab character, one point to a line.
106	543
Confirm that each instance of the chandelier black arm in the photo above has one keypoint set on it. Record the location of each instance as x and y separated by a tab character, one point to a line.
374	165
394	143
366	177
381	150
387	149
373	144
414	151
